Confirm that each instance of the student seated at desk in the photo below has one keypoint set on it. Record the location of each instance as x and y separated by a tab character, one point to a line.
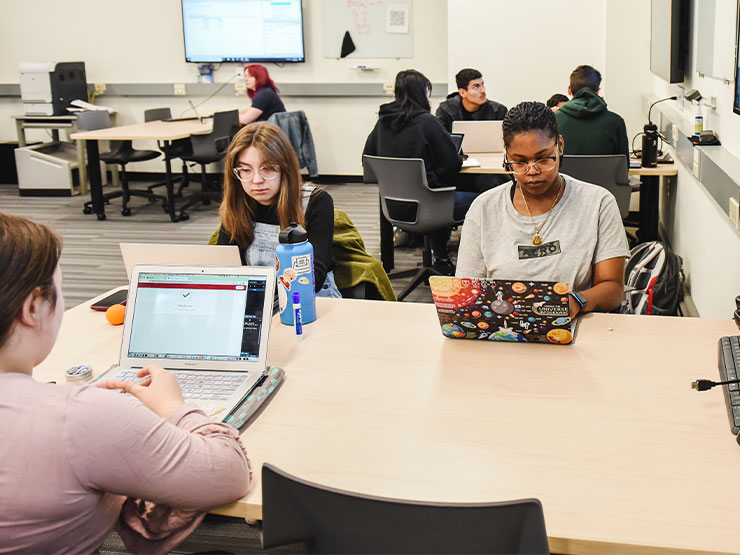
72	454
263	194
406	128
263	93
545	225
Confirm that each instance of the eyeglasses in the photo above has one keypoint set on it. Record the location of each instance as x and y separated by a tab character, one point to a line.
247	174
541	165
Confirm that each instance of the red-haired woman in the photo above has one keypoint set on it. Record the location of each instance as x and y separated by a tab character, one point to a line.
264	94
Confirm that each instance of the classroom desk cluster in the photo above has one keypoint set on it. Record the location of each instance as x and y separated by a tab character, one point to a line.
606	432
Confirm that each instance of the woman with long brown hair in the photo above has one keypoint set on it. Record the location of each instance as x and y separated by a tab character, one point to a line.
263	192
71	454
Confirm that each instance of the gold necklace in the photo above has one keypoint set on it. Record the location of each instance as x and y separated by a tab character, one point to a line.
537	240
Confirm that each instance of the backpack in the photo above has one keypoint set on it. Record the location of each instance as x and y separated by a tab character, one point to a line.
654	280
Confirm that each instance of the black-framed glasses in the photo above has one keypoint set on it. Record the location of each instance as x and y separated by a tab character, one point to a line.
544	164
247	174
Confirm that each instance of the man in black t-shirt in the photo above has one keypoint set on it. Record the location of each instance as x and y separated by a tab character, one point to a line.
469	102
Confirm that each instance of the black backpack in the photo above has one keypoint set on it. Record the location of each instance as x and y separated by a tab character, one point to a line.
654	280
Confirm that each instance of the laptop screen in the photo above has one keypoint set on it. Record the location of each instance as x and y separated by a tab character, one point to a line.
457	140
197	317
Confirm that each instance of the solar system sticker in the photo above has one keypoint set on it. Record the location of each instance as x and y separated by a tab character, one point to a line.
503	310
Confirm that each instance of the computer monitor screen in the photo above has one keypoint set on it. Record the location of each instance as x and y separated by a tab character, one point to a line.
243	30
669	37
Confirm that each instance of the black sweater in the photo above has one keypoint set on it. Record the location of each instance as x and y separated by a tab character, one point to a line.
319	226
416	135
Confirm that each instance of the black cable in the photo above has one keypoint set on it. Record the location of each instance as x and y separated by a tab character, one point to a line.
703	385
656	102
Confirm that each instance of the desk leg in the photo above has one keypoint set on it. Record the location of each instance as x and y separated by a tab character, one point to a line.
169	186
21	133
387	256
82	171
649	208
96	183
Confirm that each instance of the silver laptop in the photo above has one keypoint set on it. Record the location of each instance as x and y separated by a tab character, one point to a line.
209	325
480	136
195	255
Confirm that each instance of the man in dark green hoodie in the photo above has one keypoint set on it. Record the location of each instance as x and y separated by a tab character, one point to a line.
584	122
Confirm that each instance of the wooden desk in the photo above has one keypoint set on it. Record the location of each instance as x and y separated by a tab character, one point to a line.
166	131
607	432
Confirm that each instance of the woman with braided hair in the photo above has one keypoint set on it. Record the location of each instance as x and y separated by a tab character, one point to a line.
545	225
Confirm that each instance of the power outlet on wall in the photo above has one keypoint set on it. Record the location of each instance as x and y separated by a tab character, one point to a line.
388	88
240	87
99	88
735	213
179	89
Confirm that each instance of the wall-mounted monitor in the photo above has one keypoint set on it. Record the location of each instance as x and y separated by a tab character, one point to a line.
669	38
243	31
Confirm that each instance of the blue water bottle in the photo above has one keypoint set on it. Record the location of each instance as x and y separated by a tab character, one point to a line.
294	261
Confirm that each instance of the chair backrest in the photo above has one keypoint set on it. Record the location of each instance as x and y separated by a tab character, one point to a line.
406	199
336	521
157	114
610	171
213	145
92	120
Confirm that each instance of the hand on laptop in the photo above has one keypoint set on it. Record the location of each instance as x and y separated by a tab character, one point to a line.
158	390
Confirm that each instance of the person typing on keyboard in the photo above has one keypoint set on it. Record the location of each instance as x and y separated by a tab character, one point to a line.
72	455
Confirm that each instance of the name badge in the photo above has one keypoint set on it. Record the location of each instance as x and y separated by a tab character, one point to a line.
539	251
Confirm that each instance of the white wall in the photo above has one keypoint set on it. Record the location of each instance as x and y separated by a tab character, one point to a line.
140	41
697	228
527	49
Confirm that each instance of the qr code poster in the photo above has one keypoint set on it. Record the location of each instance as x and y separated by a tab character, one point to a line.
397	18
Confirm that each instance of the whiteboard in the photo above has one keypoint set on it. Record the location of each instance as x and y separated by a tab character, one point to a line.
366	21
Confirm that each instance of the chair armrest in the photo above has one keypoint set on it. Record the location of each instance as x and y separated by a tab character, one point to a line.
441	189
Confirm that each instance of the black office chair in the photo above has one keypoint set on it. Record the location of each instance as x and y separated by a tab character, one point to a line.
210	148
175	149
410	204
611	171
329	520
121	153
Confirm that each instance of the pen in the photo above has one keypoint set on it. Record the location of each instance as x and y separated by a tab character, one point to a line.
297	315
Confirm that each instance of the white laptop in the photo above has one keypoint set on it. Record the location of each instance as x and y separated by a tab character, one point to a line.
209	325
480	136
195	255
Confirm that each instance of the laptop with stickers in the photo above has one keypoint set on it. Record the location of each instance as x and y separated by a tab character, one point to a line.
210	326
503	310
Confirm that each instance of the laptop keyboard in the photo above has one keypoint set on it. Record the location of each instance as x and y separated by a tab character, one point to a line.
729	368
205	389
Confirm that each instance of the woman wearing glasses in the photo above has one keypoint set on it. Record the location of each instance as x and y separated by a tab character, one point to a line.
545	225
263	193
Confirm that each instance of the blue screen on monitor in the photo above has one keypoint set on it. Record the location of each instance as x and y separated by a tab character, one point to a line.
243	30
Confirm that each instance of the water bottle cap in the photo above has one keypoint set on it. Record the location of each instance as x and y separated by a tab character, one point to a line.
296	297
293	234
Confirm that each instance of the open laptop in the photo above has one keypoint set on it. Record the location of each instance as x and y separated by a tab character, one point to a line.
189	255
480	136
208	325
503	310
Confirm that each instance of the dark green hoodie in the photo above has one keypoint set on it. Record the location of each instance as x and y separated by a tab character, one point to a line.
589	128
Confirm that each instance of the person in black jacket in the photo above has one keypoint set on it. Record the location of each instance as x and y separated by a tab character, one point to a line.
406	128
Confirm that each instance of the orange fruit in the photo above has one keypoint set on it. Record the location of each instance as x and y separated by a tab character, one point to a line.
116	314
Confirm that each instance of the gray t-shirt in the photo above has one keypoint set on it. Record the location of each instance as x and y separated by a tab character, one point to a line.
584	228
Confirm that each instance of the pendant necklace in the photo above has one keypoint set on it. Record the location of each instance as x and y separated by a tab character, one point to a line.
537	240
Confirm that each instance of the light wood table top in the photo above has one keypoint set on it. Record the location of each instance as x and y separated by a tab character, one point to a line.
492	163
606	432
151	130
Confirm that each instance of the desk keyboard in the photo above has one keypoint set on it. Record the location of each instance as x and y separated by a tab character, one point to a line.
729	369
205	388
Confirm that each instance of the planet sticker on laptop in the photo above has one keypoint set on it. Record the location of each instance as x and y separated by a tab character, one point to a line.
560	336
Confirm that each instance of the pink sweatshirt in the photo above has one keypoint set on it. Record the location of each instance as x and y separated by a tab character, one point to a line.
70	455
